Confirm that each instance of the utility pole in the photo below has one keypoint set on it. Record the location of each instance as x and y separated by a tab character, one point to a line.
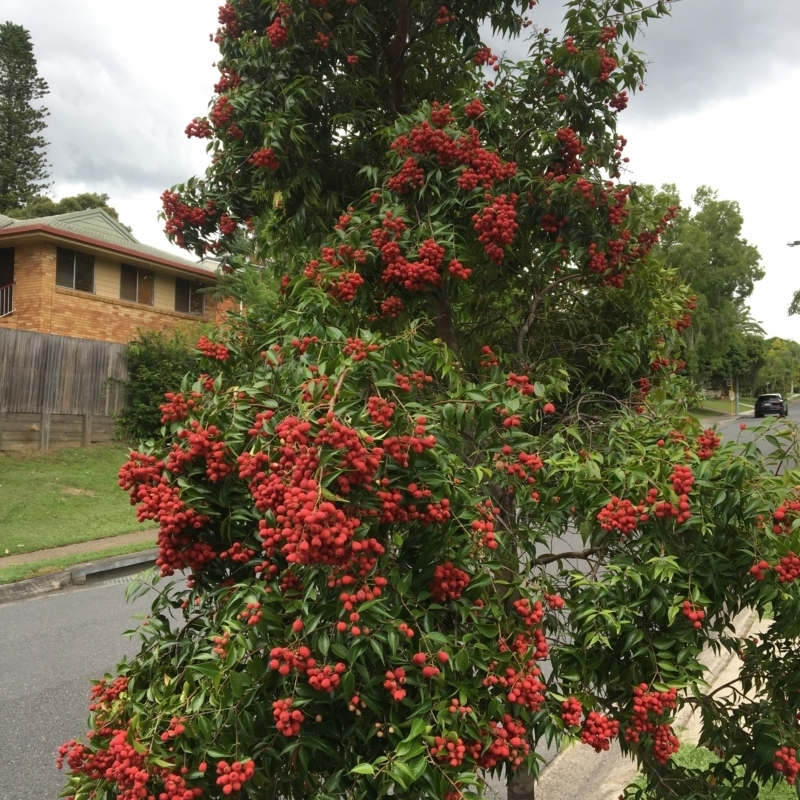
736	397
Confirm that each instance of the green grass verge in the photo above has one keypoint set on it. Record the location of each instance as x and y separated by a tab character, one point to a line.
36	569
699	760
61	497
724	406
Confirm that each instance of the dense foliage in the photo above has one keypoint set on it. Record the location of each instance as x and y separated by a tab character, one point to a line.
440	501
157	363
23	164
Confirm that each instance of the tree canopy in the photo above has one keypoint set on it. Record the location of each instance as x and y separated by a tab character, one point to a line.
706	248
43	206
23	164
437	496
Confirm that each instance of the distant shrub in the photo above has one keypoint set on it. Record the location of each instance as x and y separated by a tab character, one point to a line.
157	363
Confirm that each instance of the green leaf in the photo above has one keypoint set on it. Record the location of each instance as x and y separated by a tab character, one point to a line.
363	769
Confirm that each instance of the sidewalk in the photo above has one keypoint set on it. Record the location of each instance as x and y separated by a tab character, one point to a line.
579	772
93	546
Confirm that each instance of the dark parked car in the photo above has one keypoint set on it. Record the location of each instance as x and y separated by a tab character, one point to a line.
771	404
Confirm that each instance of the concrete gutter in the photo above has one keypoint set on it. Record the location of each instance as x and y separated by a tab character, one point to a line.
75	576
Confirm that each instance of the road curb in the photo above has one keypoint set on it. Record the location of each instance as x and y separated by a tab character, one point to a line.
74	576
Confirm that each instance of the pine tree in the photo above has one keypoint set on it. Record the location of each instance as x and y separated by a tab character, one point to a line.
23	164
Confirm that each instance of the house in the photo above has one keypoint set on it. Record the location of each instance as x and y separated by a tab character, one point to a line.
85	275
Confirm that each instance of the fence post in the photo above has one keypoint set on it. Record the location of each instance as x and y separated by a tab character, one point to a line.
87	430
44	431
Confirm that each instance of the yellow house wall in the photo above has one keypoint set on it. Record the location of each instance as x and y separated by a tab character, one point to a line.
42	306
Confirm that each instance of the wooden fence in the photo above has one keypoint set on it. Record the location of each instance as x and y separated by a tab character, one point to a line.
56	391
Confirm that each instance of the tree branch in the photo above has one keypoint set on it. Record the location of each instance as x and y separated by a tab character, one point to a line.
535	300
573	554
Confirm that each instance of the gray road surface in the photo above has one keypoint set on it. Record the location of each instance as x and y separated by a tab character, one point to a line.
51	648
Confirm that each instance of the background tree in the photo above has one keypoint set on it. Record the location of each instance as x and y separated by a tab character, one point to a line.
780	371
464	377
43	206
707	249
23	165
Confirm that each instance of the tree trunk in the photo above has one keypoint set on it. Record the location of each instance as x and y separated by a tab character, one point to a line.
521	785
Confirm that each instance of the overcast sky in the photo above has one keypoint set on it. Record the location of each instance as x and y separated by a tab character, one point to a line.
720	108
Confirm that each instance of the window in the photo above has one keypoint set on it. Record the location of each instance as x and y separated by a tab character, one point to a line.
75	270
137	285
188	299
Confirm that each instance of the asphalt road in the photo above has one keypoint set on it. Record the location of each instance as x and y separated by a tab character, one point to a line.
757	429
52	646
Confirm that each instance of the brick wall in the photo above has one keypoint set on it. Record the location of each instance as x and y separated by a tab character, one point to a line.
42	306
31	304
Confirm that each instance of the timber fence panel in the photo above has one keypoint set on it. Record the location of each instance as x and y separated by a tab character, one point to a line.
58	391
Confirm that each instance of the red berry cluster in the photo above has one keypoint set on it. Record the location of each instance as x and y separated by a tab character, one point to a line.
448	583
258	424
393	683
265	158
233	776
380	411
607	65
457	270
414	276
619	515
645	704
411	176
788	570
176	728
449	750
497	225
474	109
487	538
287	721
252	613
786	762
758	570
571	148
484	56
598	731
357	349
428	670
392	307
707	443
571	712
103	694
284	660
554	601
530	616
211	350
203	443
178	407
784	515
199	128
222	112
443	16
525	688
508	744
693	613
488	357
416	379
344	288
325	679
521	382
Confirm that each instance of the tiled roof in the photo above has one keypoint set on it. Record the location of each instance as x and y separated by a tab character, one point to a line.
95	223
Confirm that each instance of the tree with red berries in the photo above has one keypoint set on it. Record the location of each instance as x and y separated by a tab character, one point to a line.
381	483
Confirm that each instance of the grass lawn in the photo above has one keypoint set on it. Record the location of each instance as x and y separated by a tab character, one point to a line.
58	497
724	406
19	572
